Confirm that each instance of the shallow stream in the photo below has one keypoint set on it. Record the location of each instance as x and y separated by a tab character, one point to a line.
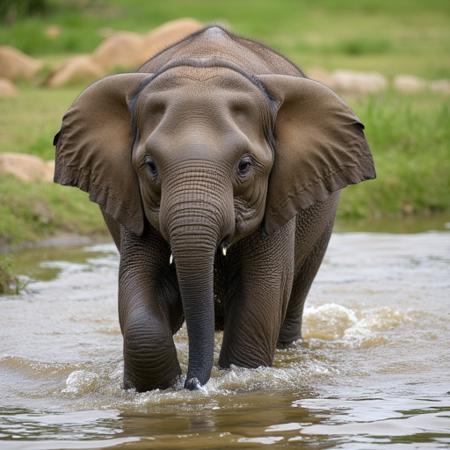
372	372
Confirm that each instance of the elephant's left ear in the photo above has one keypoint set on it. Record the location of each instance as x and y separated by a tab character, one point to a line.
93	148
320	147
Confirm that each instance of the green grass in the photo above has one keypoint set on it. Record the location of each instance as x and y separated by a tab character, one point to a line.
9	282
29	121
410	141
409	36
31	211
409	135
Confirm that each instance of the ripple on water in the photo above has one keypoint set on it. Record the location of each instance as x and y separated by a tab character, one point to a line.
380	416
326	327
34	368
374	360
94	384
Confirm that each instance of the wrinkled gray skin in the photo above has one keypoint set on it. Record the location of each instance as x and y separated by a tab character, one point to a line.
202	156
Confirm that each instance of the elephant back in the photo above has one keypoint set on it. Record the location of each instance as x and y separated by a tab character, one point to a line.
216	44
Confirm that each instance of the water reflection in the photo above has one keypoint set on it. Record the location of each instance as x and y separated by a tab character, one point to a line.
310	423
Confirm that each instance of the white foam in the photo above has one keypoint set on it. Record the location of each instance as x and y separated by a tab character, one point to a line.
329	321
333	322
81	382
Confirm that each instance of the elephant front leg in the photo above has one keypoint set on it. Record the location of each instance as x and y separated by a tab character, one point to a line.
255	309
148	313
291	330
313	231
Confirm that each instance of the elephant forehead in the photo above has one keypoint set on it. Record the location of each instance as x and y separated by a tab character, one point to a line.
201	109
213	98
216	81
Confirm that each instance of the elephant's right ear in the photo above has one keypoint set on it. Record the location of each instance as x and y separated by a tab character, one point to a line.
93	149
320	147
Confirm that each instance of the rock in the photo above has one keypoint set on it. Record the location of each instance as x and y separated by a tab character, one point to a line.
27	167
7	88
167	34
16	65
320	75
407	209
409	83
106	32
80	69
122	49
129	50
442	86
357	82
42	213
125	50
52	31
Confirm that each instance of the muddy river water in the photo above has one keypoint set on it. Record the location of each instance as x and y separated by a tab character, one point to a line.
372	372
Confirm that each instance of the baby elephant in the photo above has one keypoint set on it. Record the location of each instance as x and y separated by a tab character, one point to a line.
217	167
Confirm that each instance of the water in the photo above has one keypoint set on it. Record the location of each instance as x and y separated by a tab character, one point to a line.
372	372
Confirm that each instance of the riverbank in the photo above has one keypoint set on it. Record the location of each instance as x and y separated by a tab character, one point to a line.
401	37
20	258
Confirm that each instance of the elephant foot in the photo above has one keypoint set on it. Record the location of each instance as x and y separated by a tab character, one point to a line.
287	344
290	334
142	385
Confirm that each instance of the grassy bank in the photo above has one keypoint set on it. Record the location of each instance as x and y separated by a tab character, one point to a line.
409	135
402	36
31	212
10	283
410	141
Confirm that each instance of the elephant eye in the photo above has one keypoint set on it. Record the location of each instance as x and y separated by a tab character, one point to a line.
244	166
151	165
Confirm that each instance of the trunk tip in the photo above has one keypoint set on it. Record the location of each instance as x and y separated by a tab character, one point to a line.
193	384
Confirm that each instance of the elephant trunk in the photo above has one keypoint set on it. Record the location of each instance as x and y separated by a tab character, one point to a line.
195	220
196	281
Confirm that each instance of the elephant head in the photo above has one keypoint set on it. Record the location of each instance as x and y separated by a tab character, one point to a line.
206	154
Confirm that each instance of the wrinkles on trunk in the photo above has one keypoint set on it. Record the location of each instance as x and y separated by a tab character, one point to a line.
195	217
195	271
